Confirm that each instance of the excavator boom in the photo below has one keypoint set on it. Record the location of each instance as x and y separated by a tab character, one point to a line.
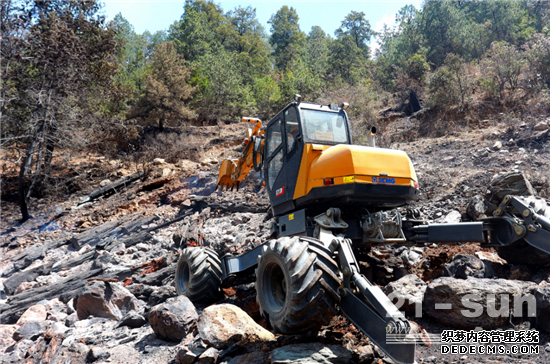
233	171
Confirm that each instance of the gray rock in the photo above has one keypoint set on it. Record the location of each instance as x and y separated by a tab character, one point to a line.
311	353
210	356
410	257
188	354
161	294
96	354
510	184
256	357
465	265
452	217
408	290
104	299
446	300
133	320
71	319
366	354
479	207
223	325
57	328
31	330
173	319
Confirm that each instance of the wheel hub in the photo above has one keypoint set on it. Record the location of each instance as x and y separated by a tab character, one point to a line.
183	281
275	287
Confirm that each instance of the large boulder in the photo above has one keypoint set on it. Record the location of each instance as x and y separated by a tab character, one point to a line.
223	325
310	353
474	302
407	292
513	183
173	319
465	265
104	299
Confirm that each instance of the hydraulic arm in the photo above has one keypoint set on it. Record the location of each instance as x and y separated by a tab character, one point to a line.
233	171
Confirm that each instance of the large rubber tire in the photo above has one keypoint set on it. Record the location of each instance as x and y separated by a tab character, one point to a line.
522	253
198	275
297	284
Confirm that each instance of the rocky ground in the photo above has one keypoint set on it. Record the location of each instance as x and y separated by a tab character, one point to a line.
91	277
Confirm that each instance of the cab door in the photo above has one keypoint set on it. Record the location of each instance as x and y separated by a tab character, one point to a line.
284	146
294	147
274	161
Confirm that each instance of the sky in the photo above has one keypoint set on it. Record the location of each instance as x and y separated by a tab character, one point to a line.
154	15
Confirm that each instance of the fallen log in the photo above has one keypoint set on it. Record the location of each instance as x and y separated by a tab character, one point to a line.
112	188
11	284
113	229
97	236
16	305
32	253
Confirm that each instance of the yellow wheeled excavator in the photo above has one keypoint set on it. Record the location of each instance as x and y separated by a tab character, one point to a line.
331	199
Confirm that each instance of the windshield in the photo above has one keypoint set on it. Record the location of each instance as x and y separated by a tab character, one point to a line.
323	126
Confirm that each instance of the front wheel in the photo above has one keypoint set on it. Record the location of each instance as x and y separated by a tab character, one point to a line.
199	275
297	284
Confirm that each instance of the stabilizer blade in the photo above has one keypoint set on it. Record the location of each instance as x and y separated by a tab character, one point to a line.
372	325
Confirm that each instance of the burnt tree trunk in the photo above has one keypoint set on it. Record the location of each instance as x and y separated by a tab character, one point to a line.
26	164
40	187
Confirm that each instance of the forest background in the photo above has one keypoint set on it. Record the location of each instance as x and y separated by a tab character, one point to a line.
73	81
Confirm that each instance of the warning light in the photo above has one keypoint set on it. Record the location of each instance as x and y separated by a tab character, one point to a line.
328	181
416	185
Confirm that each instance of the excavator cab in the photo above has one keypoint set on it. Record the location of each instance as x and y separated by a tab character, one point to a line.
287	133
310	162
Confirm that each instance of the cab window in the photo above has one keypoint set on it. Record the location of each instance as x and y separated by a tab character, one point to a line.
274	162
274	167
274	137
292	129
323	126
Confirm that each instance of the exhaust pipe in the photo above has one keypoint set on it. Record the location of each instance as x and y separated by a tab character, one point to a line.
371	140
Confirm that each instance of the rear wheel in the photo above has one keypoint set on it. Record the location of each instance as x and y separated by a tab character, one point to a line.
297	284
198	275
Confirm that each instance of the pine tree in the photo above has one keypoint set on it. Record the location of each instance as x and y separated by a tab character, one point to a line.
286	38
167	89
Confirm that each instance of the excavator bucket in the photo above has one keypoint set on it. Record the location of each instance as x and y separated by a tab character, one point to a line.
224	177
233	171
